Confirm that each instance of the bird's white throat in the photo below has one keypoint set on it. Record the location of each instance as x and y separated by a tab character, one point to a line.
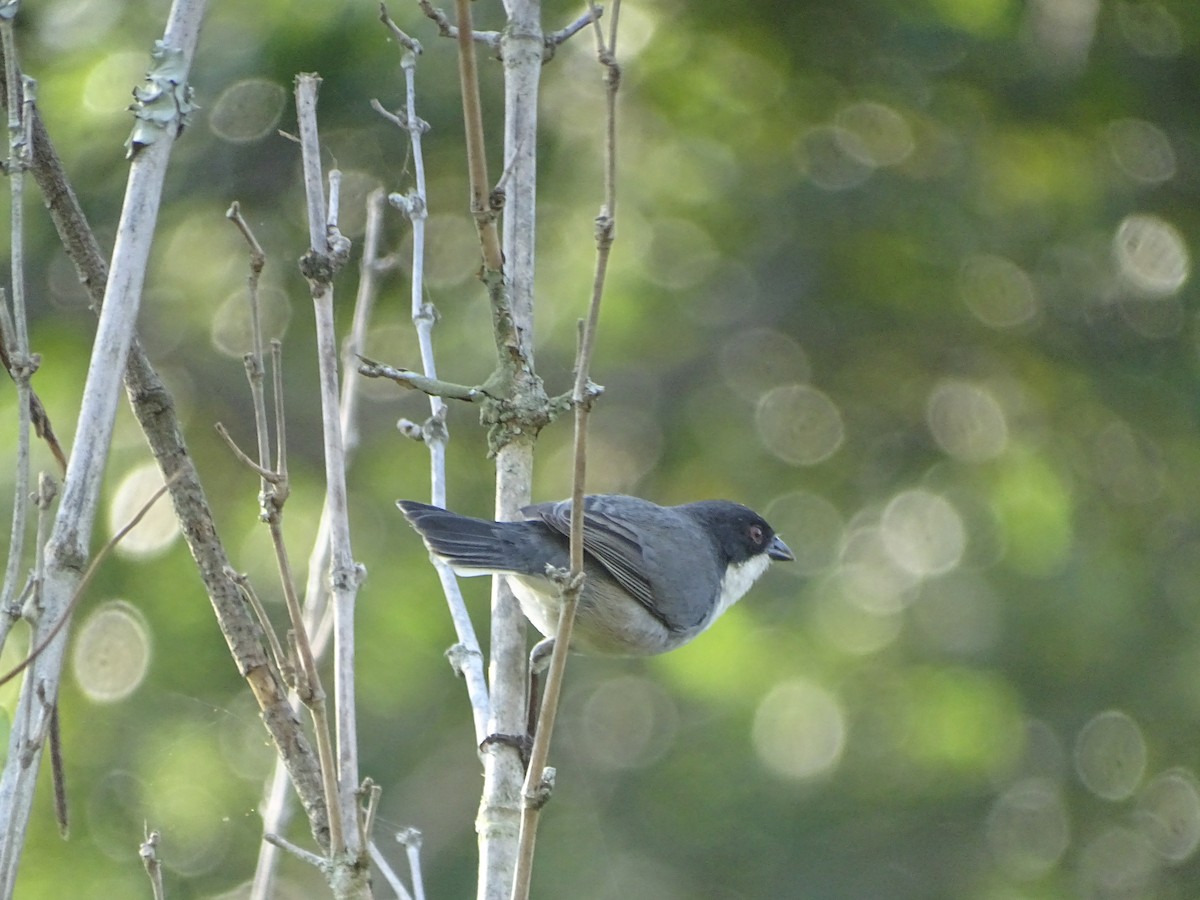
738	579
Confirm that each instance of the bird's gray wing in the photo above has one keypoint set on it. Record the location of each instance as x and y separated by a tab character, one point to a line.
611	541
678	589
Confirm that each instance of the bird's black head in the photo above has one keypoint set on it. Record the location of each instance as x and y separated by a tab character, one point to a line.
739	532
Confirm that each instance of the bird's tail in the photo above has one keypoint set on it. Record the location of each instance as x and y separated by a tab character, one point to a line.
470	546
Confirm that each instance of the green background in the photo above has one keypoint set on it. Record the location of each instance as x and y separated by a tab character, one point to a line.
913	279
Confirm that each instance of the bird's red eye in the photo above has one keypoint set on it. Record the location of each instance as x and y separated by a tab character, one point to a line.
756	534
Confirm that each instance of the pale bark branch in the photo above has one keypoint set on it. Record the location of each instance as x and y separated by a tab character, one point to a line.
67	547
466	656
328	251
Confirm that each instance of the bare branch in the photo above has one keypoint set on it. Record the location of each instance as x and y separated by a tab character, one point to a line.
411	839
148	852
389	874
265	474
58	775
416	381
556	38
14	333
481	208
301	854
330	249
433	432
446	28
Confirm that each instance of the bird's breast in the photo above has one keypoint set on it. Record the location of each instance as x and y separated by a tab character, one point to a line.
608	622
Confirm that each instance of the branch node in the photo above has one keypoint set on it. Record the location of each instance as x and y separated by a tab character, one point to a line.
410	837
556	38
461	656
410	430
539	795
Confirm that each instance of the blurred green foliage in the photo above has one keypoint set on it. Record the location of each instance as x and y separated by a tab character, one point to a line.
912	278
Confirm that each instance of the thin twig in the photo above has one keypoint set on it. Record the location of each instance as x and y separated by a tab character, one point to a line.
273	496
301	854
58	774
556	38
411	839
481	208
282	661
446	28
148	852
29	603
389	874
407	378
254	358
265	474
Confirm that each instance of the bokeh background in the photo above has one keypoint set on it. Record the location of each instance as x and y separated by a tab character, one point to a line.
914	279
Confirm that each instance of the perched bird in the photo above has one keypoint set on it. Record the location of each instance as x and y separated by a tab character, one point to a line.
656	576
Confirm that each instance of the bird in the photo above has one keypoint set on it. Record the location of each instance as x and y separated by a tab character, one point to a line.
655	576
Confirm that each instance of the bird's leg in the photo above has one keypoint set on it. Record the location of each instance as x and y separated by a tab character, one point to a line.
539	659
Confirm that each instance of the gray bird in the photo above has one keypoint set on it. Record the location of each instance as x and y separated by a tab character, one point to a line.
656	576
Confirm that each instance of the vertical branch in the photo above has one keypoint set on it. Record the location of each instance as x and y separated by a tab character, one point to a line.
162	106
14	333
481	206
465	656
328	250
538	778
522	46
255	371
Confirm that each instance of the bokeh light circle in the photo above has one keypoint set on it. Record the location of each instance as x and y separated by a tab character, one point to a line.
869	575
157	529
813	528
799	424
757	359
1028	829
1151	254
248	110
923	532
1118	862
997	291
822	156
1110	755
629	722
231	332
874	134
799	729
112	652
967	421
1141	150
1168	814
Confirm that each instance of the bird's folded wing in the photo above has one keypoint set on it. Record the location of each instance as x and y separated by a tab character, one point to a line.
611	542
